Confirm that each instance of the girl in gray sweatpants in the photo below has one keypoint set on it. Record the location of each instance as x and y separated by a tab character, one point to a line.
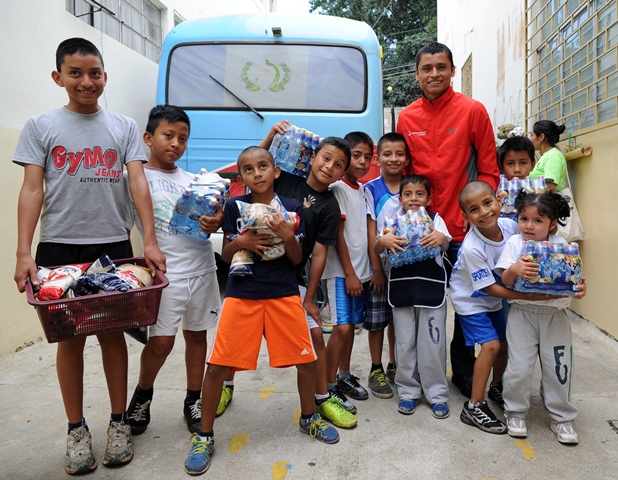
537	328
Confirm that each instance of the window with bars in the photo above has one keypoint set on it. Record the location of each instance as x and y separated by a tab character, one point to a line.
573	52
134	23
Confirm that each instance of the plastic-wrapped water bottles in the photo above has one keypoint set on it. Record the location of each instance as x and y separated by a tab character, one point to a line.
181	210
293	149
414	226
559	268
202	206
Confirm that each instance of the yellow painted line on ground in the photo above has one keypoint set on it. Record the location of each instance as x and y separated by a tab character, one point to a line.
296	418
266	392
527	449
280	470
237	442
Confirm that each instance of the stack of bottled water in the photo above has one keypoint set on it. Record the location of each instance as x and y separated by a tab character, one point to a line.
560	268
509	189
200	198
293	149
414	226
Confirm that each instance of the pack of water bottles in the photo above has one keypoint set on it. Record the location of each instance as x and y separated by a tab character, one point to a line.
509	189
254	217
200	197
560	268
414	226
292	150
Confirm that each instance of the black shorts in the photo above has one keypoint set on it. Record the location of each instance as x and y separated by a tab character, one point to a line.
57	254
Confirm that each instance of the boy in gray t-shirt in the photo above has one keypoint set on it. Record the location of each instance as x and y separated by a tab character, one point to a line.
73	159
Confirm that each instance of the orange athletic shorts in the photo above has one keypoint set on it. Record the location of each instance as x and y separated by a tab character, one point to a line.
243	322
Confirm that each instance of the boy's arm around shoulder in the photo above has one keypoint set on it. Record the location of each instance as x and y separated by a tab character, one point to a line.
138	185
29	204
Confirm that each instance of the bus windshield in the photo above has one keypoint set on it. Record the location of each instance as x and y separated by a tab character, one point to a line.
267	76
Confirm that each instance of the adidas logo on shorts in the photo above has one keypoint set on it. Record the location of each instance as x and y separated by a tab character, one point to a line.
304	352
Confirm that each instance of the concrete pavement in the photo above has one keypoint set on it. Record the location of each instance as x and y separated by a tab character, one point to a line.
258	437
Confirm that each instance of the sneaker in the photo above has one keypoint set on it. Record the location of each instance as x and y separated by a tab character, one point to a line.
390	375
516	427
495	394
463	383
319	429
565	432
79	457
482	417
343	400
139	414
193	415
377	384
407	406
332	410
440	410
198	460
119	447
352	388
226	398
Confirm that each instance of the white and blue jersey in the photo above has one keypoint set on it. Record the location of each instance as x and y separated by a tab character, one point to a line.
474	270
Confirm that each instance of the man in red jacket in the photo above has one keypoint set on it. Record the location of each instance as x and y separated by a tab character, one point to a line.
451	143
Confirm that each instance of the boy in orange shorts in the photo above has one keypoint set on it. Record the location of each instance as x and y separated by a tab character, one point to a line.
255	305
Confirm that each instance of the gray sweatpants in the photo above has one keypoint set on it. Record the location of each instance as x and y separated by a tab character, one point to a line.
545	331
420	350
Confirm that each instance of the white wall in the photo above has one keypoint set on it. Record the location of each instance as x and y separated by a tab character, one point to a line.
496	35
31	31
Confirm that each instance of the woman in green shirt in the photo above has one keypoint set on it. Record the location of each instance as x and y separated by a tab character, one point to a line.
552	164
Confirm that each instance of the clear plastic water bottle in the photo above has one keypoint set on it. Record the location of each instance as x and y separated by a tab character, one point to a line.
306	151
294	151
284	146
181	210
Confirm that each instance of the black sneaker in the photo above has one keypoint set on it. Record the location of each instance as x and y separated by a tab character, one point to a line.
352	388
139	414
482	417
378	385
343	401
495	394
193	415
463	383
390	374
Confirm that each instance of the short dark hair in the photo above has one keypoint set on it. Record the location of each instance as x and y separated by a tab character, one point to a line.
550	129
432	49
515	144
550	204
71	46
415	180
473	187
392	137
339	143
251	149
170	113
355	138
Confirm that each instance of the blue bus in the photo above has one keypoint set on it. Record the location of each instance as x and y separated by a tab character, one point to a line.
237	75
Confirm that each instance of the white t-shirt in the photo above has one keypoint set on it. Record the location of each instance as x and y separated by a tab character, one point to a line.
351	200
511	253
474	270
187	256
